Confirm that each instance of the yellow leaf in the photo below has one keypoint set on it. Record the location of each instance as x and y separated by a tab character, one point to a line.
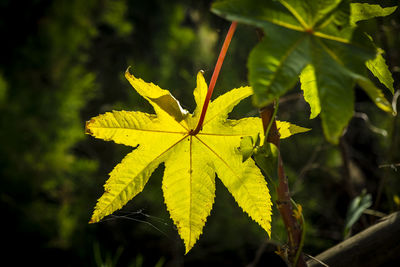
287	129
309	87
191	161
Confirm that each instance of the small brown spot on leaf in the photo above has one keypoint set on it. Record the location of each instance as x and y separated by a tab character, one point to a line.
87	129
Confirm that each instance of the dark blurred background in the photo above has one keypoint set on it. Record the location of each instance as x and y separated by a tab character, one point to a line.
62	62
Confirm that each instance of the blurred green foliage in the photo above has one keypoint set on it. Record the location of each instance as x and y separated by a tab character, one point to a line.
62	62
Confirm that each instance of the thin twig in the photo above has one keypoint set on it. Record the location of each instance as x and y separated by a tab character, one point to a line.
317	260
291	97
392	165
258	255
344	151
391	153
374	213
373	128
113	217
394	101
310	165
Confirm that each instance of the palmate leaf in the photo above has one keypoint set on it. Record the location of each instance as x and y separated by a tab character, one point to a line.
318	40
191	161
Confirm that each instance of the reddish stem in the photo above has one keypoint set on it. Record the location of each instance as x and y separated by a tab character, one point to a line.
284	199
214	77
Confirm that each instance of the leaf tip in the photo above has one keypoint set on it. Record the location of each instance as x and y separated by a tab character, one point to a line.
246	147
95	217
313	115
287	129
128	74
200	79
187	249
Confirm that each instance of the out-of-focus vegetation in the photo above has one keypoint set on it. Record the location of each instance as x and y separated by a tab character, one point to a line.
62	62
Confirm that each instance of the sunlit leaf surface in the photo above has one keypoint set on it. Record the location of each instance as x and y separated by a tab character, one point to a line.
191	161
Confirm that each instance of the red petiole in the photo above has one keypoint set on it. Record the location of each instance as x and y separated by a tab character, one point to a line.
214	76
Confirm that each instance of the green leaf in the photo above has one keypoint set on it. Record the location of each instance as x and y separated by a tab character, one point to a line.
380	70
364	11
246	147
375	94
356	208
316	34
336	100
272	75
327	93
310	90
191	161
266	158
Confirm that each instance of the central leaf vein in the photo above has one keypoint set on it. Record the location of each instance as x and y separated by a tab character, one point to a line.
295	14
285	56
239	178
190	187
144	168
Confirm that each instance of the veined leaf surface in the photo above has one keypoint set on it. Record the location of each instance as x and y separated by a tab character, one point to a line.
191	161
322	35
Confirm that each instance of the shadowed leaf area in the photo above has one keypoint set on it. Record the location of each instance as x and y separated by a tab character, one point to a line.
320	41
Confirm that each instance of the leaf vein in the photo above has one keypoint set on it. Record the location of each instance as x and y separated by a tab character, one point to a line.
143	130
229	167
295	14
285	56
331	37
128	184
190	188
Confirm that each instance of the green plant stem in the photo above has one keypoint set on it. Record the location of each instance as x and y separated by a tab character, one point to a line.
284	201
214	77
268	128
